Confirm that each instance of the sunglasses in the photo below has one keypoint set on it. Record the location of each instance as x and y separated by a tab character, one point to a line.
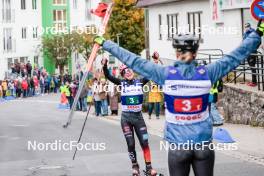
126	70
184	51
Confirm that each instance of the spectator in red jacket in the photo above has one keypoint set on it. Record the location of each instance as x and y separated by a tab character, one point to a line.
24	86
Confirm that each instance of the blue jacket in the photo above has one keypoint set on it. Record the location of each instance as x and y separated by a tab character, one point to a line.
157	73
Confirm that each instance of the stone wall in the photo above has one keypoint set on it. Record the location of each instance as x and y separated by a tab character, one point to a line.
241	104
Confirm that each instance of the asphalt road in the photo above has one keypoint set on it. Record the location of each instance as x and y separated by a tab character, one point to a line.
38	120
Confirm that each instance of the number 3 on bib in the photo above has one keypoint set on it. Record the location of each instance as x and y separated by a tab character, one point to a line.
188	105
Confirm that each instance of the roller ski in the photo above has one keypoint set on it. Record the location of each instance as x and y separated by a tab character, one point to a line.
151	172
135	170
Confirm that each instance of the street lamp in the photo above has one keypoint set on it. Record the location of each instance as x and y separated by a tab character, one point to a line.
118	38
118	42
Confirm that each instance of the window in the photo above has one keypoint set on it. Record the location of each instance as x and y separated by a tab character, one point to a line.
88	7
24	33
194	22
23	4
35	32
160	24
59	19
34	4
23	60
6	11
9	63
36	60
16	60
75	28
75	4
7	39
172	23
247	18
59	2
147	33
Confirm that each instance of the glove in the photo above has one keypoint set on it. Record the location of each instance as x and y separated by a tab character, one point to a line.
260	29
104	62
99	40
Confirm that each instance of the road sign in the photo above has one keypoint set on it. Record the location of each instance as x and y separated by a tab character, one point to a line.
257	9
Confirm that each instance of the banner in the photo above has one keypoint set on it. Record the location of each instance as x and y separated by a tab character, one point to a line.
218	6
216	12
235	4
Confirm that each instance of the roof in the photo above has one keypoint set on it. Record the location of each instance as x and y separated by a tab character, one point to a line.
145	3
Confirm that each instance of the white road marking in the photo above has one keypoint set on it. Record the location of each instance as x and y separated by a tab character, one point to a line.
37	101
18	125
44	167
14	138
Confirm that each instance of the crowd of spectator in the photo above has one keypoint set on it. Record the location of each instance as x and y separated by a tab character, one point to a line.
26	81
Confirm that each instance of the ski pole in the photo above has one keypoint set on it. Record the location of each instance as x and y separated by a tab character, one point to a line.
89	64
84	123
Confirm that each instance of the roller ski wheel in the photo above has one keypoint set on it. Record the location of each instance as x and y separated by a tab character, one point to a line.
151	172
135	171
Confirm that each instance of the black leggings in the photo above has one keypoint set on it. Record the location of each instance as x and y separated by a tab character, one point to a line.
134	123
202	162
252	63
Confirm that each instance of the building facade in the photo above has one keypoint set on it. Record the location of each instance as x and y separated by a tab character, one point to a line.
19	33
55	17
82	19
218	23
24	22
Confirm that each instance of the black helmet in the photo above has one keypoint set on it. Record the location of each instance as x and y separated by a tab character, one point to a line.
186	42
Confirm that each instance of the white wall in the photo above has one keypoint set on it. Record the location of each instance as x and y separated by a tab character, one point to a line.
27	18
78	18
232	19
23	47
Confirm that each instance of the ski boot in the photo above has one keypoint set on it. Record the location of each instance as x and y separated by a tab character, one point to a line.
135	170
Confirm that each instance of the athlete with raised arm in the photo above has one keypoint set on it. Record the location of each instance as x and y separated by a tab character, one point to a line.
131	118
186	87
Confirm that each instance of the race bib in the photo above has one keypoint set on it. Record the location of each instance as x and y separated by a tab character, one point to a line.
191	105
132	100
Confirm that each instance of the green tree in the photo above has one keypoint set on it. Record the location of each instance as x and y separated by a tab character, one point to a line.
128	21
58	48
83	43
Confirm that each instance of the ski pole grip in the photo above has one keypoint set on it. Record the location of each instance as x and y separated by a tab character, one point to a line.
259	23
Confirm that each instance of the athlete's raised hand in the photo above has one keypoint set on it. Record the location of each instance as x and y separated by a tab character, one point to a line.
104	61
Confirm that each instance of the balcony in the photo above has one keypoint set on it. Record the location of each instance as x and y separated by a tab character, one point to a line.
8	16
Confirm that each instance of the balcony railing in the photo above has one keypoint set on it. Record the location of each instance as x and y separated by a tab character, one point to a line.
241	74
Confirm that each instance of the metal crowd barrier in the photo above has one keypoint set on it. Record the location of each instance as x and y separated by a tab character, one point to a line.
242	73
